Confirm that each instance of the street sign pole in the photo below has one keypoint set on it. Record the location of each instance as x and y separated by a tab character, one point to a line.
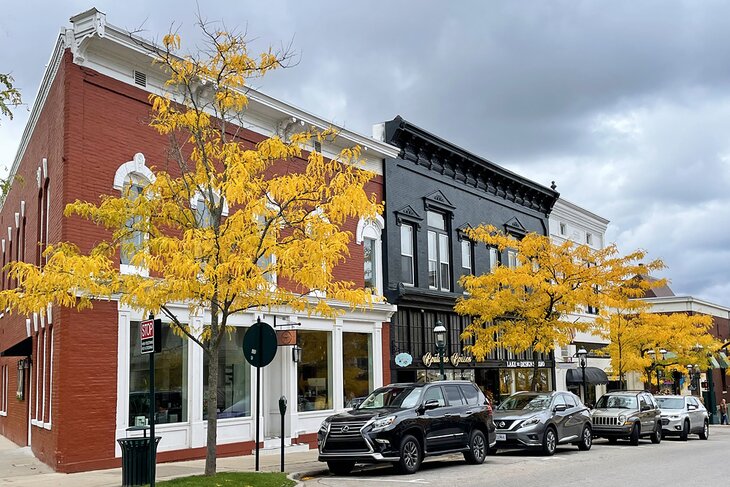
152	420
259	348
151	343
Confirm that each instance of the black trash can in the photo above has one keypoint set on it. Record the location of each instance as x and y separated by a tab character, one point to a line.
136	460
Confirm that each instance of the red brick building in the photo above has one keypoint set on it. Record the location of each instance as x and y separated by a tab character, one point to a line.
71	383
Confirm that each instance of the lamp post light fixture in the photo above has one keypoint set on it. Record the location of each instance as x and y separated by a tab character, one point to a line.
583	356
296	354
439	332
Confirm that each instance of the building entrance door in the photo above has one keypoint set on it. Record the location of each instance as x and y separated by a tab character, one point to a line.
275	380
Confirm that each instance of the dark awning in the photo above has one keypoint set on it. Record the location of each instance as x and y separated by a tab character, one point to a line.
594	376
23	348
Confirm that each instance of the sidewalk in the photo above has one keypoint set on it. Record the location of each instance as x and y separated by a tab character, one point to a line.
18	467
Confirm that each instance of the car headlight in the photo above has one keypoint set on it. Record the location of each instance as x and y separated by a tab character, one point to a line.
379	424
325	427
674	416
530	422
622	419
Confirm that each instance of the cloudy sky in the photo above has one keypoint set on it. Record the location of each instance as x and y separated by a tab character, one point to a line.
625	104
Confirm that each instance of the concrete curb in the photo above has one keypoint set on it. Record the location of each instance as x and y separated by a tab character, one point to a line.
297	476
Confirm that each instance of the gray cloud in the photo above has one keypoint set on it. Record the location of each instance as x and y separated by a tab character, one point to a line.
625	104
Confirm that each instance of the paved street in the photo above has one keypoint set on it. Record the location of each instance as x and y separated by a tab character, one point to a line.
670	463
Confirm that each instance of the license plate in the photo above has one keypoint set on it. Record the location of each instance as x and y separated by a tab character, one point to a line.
501	437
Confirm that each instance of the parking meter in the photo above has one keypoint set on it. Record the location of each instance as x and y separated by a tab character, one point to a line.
282	410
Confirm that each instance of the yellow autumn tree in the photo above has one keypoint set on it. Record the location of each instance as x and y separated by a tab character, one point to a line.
211	233
9	95
526	307
637	337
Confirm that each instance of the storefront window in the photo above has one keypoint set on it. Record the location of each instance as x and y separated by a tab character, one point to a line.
234	378
357	365
523	380
171	388
314	372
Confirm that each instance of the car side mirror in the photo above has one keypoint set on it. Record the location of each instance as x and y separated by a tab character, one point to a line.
560	407
430	404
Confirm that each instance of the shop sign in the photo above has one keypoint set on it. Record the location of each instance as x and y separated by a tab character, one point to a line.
403	359
461	359
524	364
430	359
286	337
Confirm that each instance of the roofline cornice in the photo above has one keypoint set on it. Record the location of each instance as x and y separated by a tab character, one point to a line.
689	303
413	141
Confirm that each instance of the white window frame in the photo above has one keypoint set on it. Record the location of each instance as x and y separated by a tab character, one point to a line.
372	229
441	260
411	256
511	258
4	390
130	171
493	258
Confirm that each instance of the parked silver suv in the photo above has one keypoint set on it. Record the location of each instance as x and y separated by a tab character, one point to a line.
629	415
683	415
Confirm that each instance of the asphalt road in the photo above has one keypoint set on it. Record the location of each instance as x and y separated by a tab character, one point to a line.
671	463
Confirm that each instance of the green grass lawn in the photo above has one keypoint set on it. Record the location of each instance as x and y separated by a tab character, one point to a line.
231	479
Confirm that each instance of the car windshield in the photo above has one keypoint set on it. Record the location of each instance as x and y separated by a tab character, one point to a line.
670	402
616	402
392	397
526	401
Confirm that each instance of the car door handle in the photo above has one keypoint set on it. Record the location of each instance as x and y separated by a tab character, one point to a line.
451	415
469	412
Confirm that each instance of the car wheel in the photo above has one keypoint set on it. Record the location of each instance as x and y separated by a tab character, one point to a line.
656	436
477	448
685	431
410	455
340	467
635	432
586	439
705	431
549	441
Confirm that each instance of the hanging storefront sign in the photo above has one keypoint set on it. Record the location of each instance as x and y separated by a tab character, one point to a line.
520	364
403	359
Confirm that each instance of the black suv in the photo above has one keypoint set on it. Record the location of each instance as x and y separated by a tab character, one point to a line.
403	423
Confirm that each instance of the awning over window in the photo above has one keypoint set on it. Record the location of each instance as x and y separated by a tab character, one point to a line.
724	362
23	348
594	376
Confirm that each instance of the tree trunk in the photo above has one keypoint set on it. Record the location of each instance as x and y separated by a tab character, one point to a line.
212	399
535	356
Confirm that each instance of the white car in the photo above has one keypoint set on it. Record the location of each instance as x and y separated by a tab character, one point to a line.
683	416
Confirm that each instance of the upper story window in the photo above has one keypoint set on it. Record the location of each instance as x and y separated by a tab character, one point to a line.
369	235
493	258
467	257
439	276
563	230
589	238
131	178
406	254
134	238
511	258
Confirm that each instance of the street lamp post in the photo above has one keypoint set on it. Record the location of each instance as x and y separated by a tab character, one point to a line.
655	365
440	332
583	355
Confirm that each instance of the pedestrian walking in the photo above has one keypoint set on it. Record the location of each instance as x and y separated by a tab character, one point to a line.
723	412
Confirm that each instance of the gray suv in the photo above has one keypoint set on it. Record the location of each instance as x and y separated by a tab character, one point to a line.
543	420
629	415
682	416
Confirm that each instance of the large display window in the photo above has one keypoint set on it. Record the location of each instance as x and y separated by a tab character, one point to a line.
314	372
234	378
357	365
171	387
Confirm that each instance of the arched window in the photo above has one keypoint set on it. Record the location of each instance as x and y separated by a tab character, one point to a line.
130	179
368	235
